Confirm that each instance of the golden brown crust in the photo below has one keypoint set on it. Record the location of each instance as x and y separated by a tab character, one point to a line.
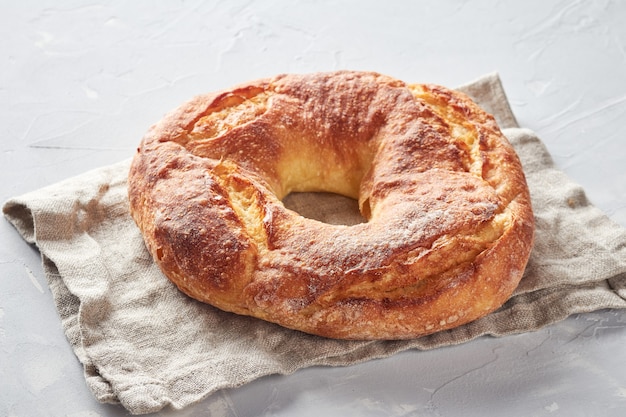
449	229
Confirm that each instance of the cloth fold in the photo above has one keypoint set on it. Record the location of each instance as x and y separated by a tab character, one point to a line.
146	345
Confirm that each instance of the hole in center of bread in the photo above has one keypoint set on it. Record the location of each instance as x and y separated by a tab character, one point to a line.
325	207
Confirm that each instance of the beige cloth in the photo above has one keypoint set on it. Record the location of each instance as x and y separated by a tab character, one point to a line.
146	345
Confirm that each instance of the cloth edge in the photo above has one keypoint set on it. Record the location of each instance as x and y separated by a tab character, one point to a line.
492	99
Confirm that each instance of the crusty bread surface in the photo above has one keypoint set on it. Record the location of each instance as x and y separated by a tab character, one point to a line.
449	222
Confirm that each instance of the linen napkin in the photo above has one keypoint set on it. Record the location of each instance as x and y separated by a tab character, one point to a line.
146	345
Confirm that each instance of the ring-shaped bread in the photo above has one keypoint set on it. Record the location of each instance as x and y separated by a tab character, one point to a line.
449	222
